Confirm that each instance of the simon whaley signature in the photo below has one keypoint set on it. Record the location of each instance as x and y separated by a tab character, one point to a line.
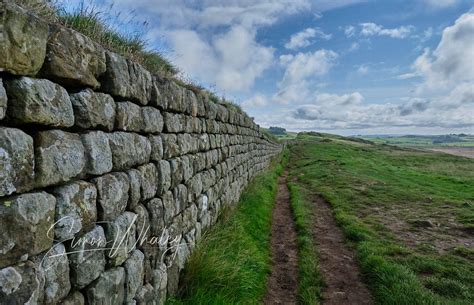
118	244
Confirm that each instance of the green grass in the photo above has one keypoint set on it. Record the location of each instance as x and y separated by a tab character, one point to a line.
372	189
425	141
310	280
232	261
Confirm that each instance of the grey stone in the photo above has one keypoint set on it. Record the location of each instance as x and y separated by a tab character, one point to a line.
93	110
157	98
126	79
129	150
188	171
73	59
194	187
160	281
174	122
149	180
182	253
75	298
3	101
152	120
146	296
16	161
164	176
108	289
156	210
87	260
121	235
21	284
135	179
112	191
134	274
98	153
170	145
55	268
190	215
128	117
156	147
76	209
180	194
142	224
25	221
38	101
23	40
177	171
169	206
59	157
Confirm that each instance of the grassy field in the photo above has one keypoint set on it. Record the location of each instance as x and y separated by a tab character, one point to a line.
408	214
232	261
424	141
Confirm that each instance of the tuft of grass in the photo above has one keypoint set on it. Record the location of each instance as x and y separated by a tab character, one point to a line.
232	261
310	279
106	29
374	188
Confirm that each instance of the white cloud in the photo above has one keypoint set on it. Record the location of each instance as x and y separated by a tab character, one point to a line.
349	31
407	75
372	29
451	63
232	60
354	47
258	100
304	65
363	70
303	39
438	4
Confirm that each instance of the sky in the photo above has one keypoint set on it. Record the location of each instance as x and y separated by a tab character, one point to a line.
341	66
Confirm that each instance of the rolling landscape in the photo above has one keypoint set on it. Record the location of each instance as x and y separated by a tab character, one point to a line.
212	152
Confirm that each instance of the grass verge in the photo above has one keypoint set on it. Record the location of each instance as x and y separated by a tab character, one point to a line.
232	261
405	212
310	280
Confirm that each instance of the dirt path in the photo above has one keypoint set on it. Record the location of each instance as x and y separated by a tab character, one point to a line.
282	286
337	262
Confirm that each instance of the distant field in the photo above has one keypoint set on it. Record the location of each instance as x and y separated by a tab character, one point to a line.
409	214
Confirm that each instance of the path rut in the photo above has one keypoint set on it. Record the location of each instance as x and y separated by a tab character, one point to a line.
282	285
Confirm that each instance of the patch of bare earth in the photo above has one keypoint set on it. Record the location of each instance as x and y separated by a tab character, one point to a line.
467	152
420	224
282	285
337	262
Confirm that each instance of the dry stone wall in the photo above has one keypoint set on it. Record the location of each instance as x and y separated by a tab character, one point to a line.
108	174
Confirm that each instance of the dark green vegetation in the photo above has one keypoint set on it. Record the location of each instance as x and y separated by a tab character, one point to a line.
310	280
232	261
409	215
459	140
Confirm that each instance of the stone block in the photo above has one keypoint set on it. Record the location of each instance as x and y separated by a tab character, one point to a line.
59	155
23	40
98	153
164	176
73	59
152	120
108	289
16	161
135	179
87	260
149	180
75	298
128	117
21	284
55	269
121	235
134	274
93	110
76	209
25	222
156	147
38	101
112	195
129	150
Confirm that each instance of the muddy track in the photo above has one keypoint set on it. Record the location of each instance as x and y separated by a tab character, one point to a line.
282	285
337	262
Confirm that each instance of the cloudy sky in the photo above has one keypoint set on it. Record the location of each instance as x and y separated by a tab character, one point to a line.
343	66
